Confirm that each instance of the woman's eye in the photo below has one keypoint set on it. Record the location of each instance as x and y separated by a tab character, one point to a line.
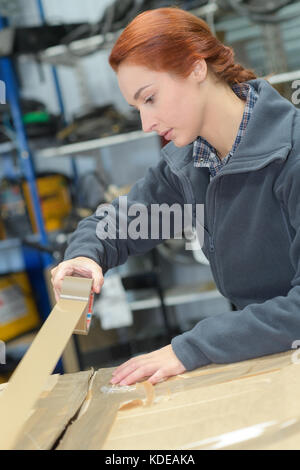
150	99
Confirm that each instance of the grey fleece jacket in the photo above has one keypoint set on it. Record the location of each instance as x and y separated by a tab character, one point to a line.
252	234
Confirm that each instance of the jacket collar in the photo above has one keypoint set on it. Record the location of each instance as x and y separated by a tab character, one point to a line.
268	136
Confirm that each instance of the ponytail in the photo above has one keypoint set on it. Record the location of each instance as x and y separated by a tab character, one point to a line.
172	40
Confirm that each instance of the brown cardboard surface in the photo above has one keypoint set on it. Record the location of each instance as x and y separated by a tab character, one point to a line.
93	426
53	411
252	404
25	386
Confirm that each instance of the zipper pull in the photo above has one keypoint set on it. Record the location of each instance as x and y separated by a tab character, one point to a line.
211	244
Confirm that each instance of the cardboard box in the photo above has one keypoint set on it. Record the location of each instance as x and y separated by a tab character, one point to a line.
18	312
55	201
247	405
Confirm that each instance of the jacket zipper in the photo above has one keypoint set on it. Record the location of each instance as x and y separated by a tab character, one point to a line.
213	260
285	222
188	183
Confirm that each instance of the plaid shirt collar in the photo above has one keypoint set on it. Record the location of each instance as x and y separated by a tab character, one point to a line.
205	155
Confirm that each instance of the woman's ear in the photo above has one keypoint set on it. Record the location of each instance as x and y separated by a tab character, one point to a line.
200	70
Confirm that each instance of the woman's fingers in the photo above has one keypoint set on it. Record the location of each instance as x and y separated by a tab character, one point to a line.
159	376
140	373
157	365
125	370
61	271
81	266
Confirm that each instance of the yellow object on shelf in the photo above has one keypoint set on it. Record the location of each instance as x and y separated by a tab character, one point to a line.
18	312
54	198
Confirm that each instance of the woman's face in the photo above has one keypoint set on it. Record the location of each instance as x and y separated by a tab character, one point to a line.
171	106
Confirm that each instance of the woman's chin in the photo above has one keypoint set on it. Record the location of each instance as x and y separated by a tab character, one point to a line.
182	142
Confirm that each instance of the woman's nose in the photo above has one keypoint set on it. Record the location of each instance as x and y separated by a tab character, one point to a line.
148	123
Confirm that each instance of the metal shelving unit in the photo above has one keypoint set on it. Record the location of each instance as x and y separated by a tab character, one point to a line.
94	144
175	296
24	152
68	54
22	146
57	89
18	257
12	256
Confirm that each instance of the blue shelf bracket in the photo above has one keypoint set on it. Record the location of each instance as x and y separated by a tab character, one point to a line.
8	75
41	260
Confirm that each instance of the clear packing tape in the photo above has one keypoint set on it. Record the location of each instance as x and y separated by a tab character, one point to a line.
71	314
247	405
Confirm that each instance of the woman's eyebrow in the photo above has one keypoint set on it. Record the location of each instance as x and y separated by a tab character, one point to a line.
140	90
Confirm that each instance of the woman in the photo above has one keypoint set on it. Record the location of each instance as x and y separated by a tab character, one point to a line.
234	147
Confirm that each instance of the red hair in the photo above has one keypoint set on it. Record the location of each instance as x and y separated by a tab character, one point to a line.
172	40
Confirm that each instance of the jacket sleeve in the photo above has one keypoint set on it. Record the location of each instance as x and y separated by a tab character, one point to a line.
258	329
159	186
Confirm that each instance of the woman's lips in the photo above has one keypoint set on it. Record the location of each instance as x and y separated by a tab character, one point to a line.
168	135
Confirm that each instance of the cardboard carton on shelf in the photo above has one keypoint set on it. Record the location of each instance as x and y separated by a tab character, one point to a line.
18	312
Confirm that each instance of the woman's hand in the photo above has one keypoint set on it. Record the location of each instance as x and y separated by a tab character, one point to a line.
157	365
81	266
